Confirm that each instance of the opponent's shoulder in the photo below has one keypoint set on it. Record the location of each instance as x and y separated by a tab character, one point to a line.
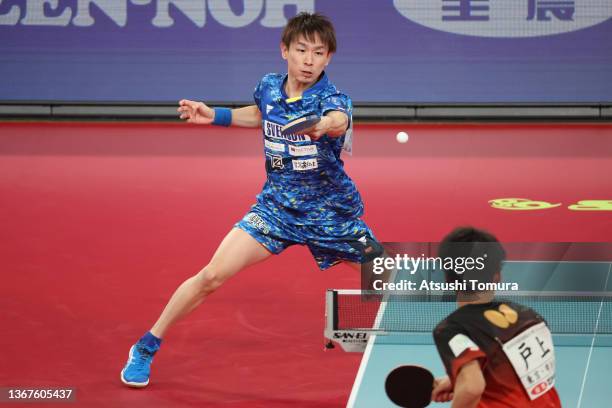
462	319
523	315
446	326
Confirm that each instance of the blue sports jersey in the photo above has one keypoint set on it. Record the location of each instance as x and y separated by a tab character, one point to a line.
306	183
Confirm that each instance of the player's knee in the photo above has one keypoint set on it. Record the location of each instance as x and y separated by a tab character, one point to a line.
210	279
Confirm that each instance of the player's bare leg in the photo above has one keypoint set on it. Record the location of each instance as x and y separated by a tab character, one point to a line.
237	251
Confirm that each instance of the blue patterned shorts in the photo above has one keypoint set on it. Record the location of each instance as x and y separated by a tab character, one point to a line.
348	240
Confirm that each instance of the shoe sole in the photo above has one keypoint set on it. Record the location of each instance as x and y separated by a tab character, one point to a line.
131	383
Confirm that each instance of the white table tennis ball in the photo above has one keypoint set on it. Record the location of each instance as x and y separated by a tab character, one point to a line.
401	137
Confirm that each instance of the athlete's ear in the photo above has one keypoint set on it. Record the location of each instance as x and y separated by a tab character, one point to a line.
329	57
284	50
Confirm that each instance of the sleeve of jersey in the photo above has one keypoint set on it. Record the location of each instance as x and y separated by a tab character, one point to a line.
342	103
258	92
456	349
337	102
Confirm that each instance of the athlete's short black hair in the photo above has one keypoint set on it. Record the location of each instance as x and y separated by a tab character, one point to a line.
469	242
309	25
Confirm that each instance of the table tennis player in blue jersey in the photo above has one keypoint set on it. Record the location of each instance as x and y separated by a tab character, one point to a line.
307	199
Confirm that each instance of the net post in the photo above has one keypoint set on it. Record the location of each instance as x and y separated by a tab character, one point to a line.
331	316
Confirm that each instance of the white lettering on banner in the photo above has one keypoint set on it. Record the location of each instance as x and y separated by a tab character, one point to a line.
275	16
195	10
277	147
302	165
500	18
533	359
12	17
35	14
115	9
274	131
302	150
222	12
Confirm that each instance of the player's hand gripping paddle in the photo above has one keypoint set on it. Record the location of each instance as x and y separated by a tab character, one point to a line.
301	124
410	386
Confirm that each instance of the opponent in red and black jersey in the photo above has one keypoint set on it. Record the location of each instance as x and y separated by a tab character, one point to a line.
478	332
497	354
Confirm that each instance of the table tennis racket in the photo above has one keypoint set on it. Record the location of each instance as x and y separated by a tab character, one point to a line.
298	125
410	386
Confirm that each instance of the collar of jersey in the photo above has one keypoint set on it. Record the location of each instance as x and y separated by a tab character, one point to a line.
319	85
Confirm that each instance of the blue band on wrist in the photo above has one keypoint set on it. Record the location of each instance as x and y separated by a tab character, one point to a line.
223	117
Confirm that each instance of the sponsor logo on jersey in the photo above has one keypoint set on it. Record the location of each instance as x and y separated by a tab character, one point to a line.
277	147
302	150
504	317
276	161
269	108
302	165
273	131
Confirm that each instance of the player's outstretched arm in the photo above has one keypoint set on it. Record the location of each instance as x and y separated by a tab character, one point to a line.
333	123
195	112
200	113
249	116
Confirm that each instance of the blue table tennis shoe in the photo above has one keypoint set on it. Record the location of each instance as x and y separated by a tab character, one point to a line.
138	367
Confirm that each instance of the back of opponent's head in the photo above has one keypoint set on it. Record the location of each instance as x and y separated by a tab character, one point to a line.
309	26
470	254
